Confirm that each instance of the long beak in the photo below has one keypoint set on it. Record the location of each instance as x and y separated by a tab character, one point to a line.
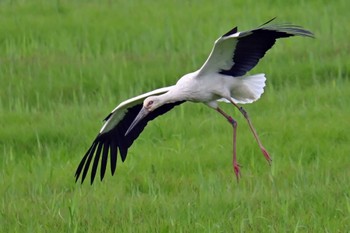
143	113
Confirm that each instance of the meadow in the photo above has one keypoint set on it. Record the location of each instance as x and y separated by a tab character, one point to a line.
64	65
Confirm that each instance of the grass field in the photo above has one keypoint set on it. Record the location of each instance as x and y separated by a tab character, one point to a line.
65	64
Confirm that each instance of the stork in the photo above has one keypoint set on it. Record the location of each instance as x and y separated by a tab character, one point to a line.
221	78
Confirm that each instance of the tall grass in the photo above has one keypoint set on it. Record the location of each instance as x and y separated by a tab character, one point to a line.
65	64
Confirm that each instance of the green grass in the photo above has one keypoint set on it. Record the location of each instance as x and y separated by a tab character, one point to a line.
65	64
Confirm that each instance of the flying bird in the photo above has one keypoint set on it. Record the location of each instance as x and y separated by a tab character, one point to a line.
221	78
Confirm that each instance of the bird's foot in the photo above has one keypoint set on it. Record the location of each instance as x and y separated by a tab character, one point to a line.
266	155
236	168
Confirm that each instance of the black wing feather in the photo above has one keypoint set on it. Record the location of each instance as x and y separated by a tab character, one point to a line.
231	32
96	160
82	163
250	49
252	45
88	161
115	139
114	156
104	159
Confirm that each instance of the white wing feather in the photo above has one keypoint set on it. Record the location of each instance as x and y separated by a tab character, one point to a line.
220	57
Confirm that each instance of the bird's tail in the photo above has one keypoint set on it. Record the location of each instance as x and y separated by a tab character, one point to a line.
249	89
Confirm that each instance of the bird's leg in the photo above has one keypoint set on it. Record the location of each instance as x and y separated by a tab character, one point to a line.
262	148
234	125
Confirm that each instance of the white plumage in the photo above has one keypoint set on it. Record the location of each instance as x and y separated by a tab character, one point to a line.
221	78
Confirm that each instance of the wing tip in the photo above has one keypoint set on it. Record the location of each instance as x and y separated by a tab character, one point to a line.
84	165
288	28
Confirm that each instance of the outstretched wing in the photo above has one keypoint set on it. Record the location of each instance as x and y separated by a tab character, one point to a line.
112	135
236	53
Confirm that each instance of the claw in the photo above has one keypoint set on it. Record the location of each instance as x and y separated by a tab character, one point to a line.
266	155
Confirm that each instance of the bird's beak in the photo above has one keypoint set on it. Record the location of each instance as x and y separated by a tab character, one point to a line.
142	114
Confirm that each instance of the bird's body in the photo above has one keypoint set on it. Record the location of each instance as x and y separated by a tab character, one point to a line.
221	78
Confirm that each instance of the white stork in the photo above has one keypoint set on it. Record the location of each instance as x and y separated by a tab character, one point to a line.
221	78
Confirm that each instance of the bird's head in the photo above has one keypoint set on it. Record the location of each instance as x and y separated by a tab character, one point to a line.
149	104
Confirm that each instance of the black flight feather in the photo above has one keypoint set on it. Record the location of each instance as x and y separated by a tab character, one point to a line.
104	159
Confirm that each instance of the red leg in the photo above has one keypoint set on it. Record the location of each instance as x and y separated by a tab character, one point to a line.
262	148
236	166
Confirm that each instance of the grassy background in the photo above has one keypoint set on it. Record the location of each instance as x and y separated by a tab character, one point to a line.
65	64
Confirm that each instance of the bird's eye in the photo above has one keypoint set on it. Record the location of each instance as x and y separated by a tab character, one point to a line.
150	103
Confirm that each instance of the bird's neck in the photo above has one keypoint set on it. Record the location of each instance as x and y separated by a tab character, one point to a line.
171	96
